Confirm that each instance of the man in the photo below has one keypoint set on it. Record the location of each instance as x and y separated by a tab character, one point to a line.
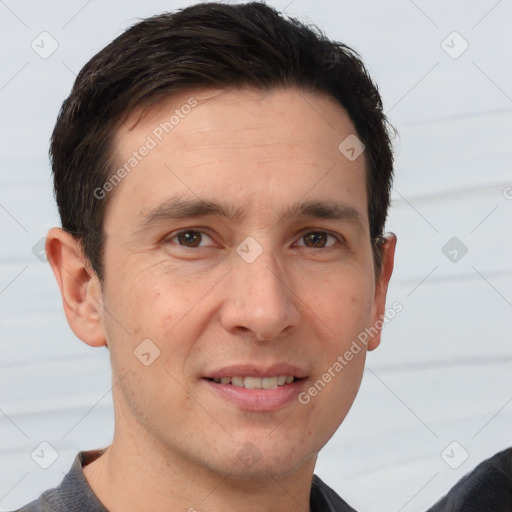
223	177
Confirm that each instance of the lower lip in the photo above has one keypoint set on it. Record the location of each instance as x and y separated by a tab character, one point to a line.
260	400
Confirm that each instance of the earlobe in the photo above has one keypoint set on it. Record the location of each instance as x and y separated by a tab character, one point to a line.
79	286
381	288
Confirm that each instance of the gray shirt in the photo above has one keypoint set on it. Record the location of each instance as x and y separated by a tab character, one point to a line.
488	488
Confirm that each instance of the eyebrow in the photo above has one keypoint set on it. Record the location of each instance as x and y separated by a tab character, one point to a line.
180	208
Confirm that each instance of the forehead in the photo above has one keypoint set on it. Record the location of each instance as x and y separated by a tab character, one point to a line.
234	116
263	149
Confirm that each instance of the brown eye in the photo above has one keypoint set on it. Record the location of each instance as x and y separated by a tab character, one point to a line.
317	239
189	238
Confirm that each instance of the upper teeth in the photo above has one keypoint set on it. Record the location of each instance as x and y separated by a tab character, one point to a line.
257	382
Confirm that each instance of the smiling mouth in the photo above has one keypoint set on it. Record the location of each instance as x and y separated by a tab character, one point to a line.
257	382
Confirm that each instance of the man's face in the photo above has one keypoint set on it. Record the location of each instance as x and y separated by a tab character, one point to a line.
239	246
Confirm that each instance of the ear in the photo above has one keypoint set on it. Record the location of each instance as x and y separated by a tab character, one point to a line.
381	288
79	286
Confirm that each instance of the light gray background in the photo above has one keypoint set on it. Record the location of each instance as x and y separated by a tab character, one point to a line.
443	371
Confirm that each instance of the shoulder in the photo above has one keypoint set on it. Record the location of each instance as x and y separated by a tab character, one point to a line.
45	503
487	487
324	499
73	494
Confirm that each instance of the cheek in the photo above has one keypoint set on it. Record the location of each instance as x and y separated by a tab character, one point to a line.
157	305
344	304
147	297
344	314
151	338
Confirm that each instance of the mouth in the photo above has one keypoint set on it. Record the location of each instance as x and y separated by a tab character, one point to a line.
257	382
257	389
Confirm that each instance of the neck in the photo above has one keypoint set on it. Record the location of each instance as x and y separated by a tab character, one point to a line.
135	473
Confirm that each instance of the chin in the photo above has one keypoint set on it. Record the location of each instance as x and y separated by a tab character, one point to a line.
248	462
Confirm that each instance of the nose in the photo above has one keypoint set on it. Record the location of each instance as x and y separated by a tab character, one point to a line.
260	301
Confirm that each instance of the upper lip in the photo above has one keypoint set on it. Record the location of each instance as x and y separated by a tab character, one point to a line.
252	370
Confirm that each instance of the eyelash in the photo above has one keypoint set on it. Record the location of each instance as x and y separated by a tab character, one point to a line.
338	238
